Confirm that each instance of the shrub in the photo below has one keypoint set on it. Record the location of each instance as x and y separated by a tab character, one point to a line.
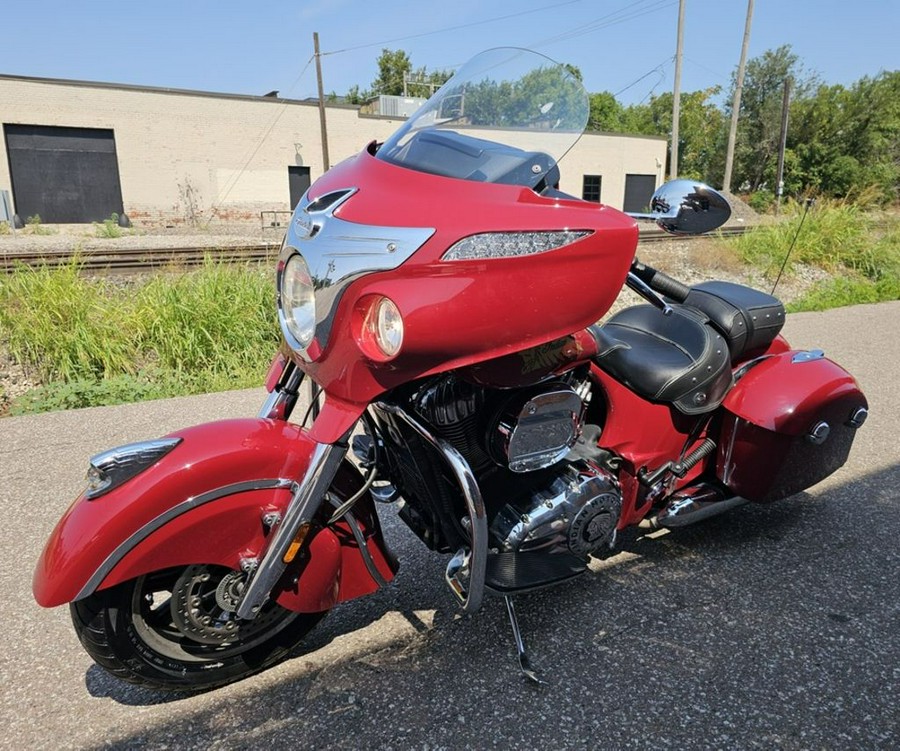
109	227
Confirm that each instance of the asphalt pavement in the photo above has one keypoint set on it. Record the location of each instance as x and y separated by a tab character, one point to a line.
774	627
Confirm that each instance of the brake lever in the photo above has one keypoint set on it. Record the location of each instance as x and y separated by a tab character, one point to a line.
643	289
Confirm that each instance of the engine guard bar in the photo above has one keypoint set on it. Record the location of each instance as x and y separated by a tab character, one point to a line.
471	565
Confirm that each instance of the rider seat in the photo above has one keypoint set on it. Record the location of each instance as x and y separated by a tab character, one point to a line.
679	359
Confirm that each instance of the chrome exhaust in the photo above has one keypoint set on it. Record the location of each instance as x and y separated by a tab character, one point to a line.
694	505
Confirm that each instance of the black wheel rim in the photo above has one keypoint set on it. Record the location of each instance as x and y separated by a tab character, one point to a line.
176	614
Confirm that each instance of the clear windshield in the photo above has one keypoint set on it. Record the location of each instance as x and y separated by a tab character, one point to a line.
507	116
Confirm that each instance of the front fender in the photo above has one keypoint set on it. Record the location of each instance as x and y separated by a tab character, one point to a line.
204	502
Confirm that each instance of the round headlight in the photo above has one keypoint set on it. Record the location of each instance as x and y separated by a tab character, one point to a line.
298	300
388	327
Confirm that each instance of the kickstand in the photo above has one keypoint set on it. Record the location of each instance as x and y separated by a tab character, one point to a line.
524	662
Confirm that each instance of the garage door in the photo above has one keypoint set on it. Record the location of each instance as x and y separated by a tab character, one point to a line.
65	175
638	191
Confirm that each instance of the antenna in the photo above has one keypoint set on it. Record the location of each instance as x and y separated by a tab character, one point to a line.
809	202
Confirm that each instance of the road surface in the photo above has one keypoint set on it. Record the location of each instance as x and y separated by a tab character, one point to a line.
774	627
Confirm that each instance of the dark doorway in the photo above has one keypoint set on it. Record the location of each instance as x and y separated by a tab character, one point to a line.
298	179
638	191
64	175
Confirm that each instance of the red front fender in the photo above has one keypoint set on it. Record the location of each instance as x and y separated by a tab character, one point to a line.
204	503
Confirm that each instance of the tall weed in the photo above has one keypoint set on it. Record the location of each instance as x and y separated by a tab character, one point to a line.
92	342
220	318
63	326
835	236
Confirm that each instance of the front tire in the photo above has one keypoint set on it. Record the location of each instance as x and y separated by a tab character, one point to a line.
175	630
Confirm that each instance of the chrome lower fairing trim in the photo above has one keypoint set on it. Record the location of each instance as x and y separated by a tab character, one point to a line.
337	253
150	527
466	570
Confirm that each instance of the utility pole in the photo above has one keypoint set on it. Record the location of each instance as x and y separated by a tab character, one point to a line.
324	128
676	95
785	106
736	102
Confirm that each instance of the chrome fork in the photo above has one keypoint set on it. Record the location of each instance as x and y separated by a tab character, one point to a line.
308	496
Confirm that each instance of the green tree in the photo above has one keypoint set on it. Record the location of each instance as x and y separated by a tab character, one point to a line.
759	127
606	113
393	66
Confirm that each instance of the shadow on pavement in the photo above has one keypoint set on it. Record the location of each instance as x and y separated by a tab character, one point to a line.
774	626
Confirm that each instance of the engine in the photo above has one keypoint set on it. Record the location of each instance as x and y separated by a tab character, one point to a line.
575	512
543	499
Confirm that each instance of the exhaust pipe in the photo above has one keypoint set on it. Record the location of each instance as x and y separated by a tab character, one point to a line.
695	504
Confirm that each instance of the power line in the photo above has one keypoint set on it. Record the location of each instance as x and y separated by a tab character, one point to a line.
656	69
230	184
553	6
626	13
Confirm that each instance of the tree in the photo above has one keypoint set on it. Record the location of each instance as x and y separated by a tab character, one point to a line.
759	127
606	113
847	139
393	66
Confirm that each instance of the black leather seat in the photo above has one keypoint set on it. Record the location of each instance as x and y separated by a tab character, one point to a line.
748	318
680	359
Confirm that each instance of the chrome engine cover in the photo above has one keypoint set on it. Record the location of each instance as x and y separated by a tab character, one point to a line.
577	513
536	430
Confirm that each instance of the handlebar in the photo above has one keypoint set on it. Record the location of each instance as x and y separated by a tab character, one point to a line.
660	282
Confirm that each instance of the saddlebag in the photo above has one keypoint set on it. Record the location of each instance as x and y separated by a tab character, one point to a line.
788	423
749	319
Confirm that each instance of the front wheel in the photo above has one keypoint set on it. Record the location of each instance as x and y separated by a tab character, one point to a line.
175	630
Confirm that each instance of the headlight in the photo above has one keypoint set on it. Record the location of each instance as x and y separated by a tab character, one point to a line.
298	301
378	327
388	327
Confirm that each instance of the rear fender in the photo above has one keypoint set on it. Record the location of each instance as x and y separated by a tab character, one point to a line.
205	502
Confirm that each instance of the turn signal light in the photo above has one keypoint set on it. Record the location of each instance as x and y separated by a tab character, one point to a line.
297	543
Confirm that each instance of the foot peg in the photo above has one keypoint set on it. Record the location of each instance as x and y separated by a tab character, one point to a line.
524	662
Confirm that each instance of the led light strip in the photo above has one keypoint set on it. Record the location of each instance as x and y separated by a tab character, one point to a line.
510	244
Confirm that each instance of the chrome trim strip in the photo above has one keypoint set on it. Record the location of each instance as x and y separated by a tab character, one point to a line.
338	253
475	566
150	527
308	497
808	356
729	468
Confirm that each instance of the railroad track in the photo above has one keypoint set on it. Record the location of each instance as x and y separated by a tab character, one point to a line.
136	260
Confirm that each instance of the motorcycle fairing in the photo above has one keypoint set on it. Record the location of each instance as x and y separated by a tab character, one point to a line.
204	503
462	312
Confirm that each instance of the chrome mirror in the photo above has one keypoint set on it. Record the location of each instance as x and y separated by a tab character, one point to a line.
686	207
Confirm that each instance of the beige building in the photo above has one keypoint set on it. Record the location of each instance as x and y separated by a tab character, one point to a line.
75	151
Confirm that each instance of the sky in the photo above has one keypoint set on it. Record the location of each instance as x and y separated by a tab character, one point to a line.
623	46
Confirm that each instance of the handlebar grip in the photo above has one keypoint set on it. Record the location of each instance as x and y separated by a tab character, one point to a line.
671	288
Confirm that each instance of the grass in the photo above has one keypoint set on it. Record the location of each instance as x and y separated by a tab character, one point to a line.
91	342
109	227
862	255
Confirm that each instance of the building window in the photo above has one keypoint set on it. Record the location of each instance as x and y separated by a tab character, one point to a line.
590	190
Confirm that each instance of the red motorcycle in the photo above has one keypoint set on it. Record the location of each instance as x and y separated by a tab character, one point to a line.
439	294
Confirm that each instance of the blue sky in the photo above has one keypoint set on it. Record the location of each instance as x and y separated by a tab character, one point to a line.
624	46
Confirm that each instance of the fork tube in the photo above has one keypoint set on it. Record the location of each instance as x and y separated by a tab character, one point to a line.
307	498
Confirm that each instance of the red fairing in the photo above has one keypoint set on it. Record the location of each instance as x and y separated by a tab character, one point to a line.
461	313
161	518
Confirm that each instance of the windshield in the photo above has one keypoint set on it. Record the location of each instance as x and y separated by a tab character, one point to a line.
507	116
